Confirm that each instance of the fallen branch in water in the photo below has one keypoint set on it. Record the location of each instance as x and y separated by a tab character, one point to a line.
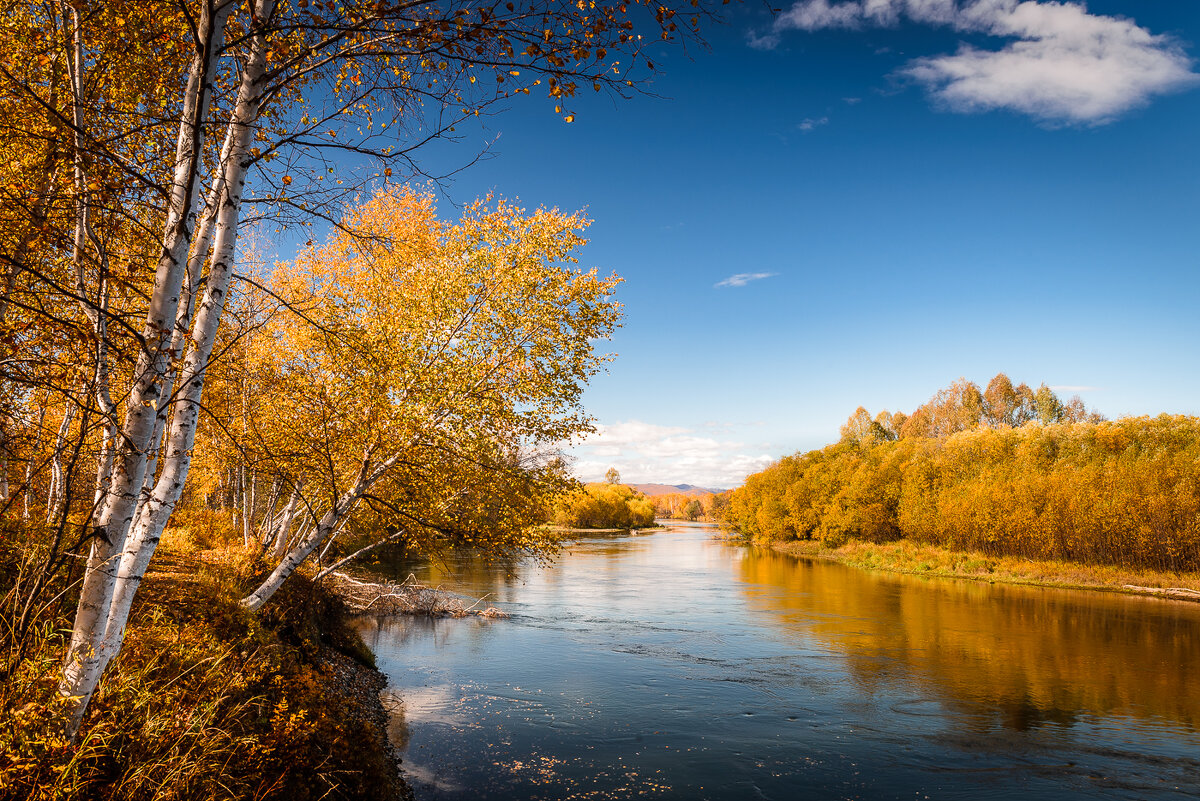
1180	593
408	597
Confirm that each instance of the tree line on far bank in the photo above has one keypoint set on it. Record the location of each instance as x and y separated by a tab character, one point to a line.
611	504
1004	471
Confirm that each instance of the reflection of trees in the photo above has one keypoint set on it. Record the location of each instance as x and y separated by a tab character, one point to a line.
475	574
462	572
1025	655
394	632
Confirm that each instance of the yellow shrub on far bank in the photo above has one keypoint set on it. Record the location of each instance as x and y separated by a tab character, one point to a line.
604	506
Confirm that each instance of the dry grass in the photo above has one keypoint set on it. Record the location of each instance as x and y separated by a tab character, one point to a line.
905	556
205	700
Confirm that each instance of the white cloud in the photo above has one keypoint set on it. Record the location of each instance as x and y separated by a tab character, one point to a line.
647	453
629	432
810	123
1060	64
741	279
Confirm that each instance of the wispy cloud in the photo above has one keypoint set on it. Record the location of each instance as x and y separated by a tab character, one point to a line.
810	123
648	453
1073	388
741	279
1060	64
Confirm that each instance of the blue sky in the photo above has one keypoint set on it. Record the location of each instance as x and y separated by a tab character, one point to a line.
932	189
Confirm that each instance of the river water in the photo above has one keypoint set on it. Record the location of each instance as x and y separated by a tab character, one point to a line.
671	665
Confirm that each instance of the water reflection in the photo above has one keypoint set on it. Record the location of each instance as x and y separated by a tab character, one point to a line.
671	665
1023	656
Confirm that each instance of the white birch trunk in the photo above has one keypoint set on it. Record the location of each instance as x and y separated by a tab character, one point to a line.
268	523
54	496
325	528
282	526
154	512
284	538
247	505
28	484
87	654
187	305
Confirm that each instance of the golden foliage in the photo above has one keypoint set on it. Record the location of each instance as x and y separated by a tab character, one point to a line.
458	348
1124	492
604	506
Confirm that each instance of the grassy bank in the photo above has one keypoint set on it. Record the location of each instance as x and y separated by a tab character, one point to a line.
207	701
930	560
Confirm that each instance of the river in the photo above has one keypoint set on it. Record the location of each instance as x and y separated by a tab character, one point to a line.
672	665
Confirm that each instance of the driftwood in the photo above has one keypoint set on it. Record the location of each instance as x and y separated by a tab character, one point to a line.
1179	593
408	597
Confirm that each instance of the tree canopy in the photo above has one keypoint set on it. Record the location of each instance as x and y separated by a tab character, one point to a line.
1006	472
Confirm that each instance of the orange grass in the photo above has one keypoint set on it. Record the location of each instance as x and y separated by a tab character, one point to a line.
905	556
205	701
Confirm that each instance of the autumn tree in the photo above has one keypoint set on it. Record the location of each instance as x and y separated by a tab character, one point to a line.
1048	407
604	506
958	407
1001	402
147	134
440	360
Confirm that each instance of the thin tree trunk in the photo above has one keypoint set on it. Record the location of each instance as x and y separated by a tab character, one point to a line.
3	466
27	488
55	494
365	549
285	525
247	506
268	525
367	477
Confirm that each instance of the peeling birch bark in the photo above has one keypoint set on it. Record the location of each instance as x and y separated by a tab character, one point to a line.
155	510
89	650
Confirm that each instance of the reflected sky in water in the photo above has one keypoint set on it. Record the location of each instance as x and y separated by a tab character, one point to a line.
669	665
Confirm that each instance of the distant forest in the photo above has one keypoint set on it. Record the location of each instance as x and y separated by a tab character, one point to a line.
1005	471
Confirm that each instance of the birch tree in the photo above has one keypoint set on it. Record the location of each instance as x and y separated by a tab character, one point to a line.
437	362
181	121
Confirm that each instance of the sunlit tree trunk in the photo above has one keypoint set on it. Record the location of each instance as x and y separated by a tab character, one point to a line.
278	534
87	654
56	493
367	477
30	463
155	510
201	247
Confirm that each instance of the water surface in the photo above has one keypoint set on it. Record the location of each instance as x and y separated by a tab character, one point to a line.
671	665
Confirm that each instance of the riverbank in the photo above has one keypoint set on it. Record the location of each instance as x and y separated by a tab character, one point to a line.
928	560
207	701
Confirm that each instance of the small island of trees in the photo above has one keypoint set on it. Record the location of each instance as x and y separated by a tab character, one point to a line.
604	505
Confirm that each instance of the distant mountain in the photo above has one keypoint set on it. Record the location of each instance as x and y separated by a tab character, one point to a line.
652	490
